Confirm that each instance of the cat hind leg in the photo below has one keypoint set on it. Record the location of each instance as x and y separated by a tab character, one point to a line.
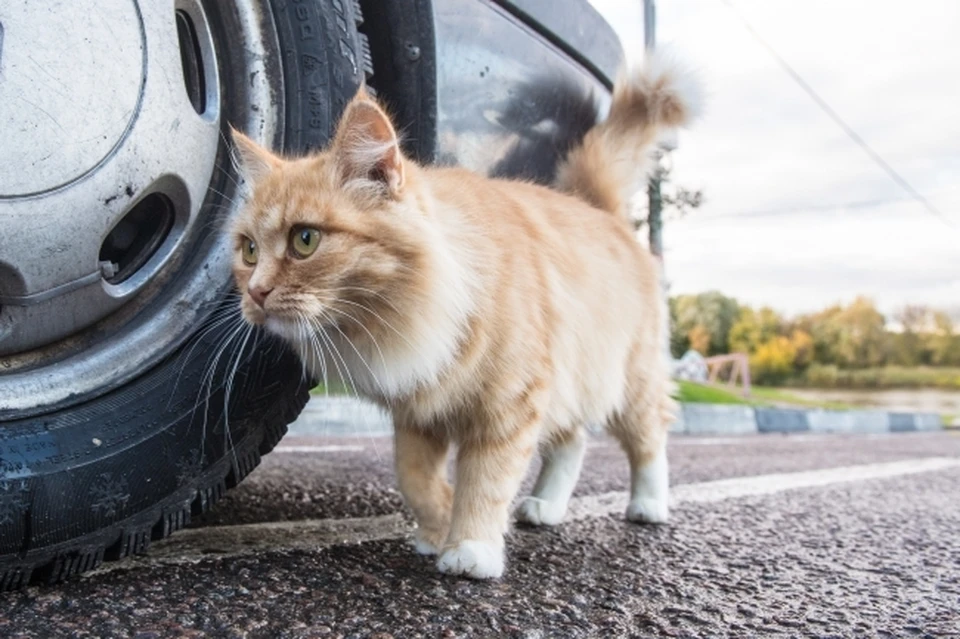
641	428
562	461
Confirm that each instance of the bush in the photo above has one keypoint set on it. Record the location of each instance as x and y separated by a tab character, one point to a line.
830	376
821	376
773	362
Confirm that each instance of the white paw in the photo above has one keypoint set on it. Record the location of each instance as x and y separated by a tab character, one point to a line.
422	545
648	511
540	512
475	559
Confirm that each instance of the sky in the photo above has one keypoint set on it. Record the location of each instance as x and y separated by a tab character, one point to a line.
796	215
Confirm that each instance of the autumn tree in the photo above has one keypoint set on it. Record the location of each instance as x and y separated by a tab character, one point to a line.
906	348
714	314
942	342
754	328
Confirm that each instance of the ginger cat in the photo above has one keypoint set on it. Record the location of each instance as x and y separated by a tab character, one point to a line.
494	315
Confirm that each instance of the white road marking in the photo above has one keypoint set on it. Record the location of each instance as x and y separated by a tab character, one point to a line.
197	544
734	440
710	491
333	448
693	440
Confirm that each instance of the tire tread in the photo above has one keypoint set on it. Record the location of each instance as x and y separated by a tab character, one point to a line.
165	517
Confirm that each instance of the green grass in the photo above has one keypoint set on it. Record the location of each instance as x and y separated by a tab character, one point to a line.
779	397
759	396
694	393
333	388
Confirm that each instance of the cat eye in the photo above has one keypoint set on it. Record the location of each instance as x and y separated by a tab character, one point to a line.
248	250
304	241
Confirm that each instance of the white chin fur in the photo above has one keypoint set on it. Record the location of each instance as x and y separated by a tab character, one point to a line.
284	328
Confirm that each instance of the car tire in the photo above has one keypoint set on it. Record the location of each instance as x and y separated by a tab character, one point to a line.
103	477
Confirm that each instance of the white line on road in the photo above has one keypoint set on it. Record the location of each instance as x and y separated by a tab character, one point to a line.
693	440
709	491
197	544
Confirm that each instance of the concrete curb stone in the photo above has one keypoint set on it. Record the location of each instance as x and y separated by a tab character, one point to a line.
781	420
849	421
704	419
910	422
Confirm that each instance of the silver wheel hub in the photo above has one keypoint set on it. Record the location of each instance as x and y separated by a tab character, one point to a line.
110	128
95	99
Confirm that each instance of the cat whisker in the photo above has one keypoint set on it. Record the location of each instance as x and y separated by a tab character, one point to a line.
362	359
373	339
303	356
321	358
218	317
231	155
332	346
373	376
338	358
227	197
210	374
228	390
324	339
319	353
368	292
379	317
231	175
230	313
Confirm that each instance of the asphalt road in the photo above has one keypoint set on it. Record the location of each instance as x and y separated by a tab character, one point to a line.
792	536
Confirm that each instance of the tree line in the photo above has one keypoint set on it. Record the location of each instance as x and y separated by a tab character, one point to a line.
842	345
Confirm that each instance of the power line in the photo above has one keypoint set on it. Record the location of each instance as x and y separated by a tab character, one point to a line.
853	135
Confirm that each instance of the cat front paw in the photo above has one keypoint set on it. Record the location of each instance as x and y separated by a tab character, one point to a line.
540	512
427	542
474	559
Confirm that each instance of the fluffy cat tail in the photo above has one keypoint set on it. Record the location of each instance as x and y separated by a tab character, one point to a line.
611	164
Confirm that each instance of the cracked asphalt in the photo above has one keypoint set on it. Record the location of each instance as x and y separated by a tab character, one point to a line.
877	557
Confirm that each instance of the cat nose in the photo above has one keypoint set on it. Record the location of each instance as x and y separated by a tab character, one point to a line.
259	294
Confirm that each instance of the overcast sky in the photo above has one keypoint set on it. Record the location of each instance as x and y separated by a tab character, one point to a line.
796	215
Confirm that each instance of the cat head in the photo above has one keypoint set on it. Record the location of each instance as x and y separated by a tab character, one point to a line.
333	238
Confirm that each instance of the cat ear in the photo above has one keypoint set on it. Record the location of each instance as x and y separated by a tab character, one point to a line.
366	145
255	161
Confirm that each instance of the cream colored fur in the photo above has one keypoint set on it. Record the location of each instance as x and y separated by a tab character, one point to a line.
492	316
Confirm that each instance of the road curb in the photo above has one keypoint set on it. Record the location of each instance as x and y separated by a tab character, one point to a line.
699	419
350	416
708	419
781	420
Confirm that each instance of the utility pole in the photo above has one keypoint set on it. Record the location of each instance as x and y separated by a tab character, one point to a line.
655	216
655	201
